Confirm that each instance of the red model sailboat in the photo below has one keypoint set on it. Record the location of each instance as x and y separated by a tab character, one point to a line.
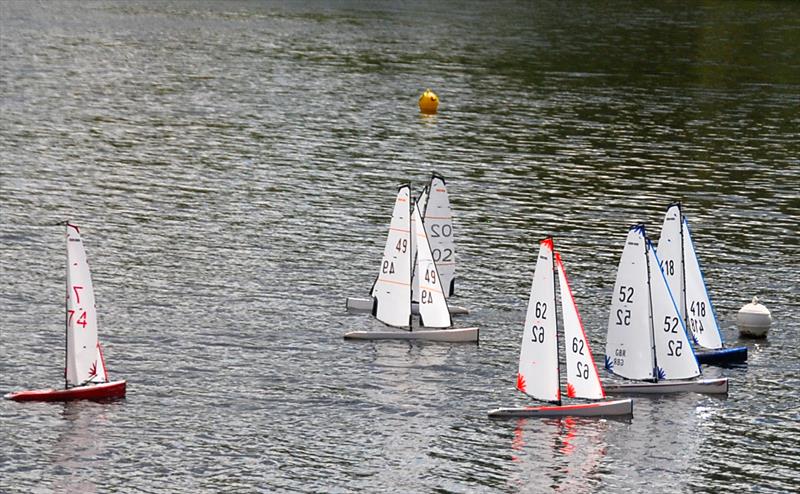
86	375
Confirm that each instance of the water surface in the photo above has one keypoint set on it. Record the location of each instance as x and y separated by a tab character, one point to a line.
232	166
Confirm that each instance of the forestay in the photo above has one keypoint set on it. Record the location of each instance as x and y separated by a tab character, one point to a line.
84	357
629	344
439	227
674	355
433	311
538	359
582	378
392	288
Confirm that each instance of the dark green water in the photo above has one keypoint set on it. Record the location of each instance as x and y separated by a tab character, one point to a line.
232	166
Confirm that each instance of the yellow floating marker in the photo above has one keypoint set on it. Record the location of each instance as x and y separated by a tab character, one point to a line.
428	102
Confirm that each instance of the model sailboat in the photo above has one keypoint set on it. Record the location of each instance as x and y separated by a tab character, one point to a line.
391	292
647	339
86	376
539	373
682	269
437	217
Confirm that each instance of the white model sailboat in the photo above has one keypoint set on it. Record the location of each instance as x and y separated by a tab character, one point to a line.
438	220
391	291
647	339
86	376
682	269
538	374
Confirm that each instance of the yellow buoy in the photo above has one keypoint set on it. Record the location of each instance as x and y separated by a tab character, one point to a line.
428	102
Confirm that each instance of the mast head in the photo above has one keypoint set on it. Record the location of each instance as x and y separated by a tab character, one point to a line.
673	204
547	242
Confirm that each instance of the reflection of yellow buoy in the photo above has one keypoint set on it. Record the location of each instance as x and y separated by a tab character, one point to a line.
428	102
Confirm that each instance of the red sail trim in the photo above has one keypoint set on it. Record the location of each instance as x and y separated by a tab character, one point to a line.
103	361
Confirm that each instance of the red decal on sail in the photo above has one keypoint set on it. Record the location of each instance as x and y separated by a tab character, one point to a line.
520	382
93	369
77	294
548	242
570	390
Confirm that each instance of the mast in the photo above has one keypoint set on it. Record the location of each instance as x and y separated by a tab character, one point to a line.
66	308
412	261
555	314
654	360
684	310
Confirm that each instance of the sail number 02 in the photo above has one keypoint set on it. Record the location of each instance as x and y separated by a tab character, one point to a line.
441	230
443	255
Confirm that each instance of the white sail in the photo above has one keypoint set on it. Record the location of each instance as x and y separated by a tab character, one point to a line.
433	311
439	226
392	288
670	251
538	357
629	343
84	361
674	355
582	378
700	316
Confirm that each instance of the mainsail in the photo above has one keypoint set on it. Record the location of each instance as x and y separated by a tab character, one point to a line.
439	227
538	374
84	358
629	343
392	288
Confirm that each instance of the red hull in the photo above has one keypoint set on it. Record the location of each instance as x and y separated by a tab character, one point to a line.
103	391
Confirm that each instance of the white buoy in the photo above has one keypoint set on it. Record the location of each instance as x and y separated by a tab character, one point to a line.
753	320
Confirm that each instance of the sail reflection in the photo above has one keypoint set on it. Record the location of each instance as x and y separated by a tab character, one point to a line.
572	448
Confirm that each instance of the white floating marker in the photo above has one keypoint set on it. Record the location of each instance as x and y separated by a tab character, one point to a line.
754	320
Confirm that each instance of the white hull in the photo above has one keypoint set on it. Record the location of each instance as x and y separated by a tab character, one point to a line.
365	305
456	335
707	386
596	409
